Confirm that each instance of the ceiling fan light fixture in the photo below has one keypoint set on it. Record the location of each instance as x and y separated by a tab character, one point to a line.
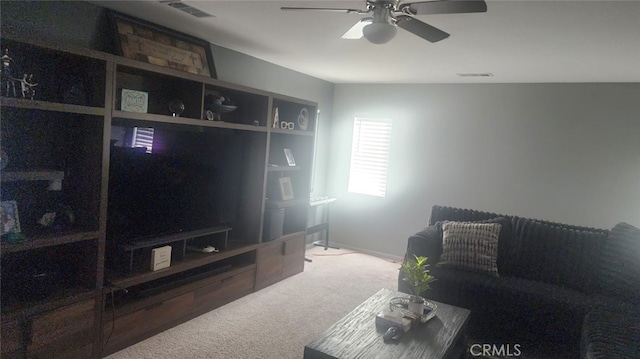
379	32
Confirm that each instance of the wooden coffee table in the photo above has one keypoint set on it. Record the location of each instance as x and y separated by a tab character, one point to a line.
356	336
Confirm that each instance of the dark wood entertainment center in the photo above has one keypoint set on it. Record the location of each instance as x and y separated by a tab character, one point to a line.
63	292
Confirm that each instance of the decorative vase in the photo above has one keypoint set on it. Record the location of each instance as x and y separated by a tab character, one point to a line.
416	304
176	107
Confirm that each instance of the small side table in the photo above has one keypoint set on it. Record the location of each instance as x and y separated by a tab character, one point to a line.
324	226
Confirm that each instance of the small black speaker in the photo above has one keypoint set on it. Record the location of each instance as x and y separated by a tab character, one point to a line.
273	222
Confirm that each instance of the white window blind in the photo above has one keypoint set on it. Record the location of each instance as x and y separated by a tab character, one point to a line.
370	156
143	137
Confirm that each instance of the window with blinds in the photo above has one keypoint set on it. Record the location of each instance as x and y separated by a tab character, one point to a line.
143	137
370	156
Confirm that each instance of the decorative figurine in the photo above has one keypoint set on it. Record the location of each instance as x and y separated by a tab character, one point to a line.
27	86
7	76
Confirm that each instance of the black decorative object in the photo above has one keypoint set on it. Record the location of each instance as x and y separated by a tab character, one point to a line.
176	107
216	105
74	92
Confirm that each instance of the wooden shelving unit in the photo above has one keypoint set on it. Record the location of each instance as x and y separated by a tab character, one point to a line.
72	138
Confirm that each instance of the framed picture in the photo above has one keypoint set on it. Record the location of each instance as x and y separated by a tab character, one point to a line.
289	155
143	41
9	217
286	190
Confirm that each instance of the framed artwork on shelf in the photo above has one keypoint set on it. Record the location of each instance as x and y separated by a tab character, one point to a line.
9	217
289	155
286	190
144	41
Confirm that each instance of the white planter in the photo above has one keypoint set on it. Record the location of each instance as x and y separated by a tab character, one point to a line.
416	304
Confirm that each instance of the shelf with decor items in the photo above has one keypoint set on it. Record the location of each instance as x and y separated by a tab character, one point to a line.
65	197
90	171
290	160
53	121
288	182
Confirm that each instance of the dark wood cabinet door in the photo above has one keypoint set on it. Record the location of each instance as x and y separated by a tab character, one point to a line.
65	332
293	261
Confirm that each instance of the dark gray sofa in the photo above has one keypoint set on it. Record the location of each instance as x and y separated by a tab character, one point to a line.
560	286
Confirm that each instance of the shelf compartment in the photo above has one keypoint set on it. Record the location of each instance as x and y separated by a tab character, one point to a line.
250	107
276	204
133	116
48	241
178	243
53	177
289	110
65	144
48	274
161	90
50	106
278	168
191	260
64	297
291	132
37	175
177	237
143	318
131	300
61	77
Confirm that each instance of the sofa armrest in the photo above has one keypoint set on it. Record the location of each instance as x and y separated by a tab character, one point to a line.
426	243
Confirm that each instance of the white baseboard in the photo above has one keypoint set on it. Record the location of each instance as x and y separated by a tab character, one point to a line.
361	250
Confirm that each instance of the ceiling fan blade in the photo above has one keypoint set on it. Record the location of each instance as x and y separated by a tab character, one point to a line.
444	7
346	11
355	32
420	28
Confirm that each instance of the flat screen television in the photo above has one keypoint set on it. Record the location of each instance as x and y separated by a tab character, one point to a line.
185	183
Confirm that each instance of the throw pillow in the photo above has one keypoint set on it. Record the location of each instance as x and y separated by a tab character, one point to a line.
470	246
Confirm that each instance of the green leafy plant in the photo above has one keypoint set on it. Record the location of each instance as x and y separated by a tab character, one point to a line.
416	274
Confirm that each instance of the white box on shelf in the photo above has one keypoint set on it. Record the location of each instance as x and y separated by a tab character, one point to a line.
134	101
160	258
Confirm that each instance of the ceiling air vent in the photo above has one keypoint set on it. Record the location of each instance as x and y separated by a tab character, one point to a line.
487	74
177	4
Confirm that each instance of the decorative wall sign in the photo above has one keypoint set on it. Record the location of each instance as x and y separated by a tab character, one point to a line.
134	101
143	41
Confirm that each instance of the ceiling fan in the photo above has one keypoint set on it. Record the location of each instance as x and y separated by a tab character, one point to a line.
380	28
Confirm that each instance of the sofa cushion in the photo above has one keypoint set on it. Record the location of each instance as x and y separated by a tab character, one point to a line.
550	311
610	334
619	264
471	290
554	254
470	246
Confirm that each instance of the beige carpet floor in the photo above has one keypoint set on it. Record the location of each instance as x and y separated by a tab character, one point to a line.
276	322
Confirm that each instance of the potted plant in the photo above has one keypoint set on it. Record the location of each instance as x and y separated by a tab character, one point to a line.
416	274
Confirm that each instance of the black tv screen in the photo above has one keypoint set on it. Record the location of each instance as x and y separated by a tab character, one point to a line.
167	191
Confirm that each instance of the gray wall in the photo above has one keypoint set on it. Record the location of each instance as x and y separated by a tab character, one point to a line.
560	152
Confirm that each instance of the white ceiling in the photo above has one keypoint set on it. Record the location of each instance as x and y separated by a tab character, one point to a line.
516	40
